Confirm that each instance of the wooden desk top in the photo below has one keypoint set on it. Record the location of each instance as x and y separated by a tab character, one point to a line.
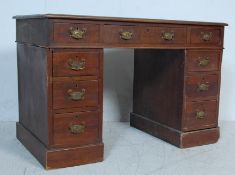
117	19
58	31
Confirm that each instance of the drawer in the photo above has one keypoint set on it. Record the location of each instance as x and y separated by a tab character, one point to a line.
164	35
76	63
71	94
76	33
198	60
205	36
200	115
202	86
121	34
76	128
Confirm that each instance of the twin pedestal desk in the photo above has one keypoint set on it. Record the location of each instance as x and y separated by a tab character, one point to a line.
60	78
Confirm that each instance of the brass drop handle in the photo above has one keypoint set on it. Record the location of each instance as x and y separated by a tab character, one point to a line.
77	64
76	95
206	36
77	33
203	87
77	129
203	61
200	114
168	36
126	35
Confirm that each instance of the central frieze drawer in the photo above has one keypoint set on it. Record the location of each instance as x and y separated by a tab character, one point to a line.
72	93
133	34
76	63
76	128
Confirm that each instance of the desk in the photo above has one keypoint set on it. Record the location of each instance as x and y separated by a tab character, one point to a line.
60	76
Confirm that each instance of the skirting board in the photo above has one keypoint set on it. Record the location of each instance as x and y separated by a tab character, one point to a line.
173	136
59	158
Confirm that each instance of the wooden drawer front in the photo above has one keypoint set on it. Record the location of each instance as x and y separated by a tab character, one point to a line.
76	33
121	34
200	115
202	86
69	94
76	128
211	36
75	63
163	35
198	60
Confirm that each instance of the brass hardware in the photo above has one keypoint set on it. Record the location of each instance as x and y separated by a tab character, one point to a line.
77	129
126	35
203	61
79	95
77	64
168	36
77	33
200	114
206	36
203	87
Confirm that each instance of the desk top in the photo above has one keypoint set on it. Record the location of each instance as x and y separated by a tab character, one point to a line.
116	19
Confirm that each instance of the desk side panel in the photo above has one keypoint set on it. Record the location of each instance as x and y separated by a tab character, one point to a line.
158	86
34	32
33	90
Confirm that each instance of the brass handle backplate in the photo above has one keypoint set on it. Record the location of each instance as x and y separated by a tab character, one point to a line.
77	64
203	61
126	35
203	87
206	36
168	36
200	114
77	33
76	95
77	129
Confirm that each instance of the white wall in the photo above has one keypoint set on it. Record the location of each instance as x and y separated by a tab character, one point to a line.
118	63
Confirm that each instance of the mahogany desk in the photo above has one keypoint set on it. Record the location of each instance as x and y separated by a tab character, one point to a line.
60	75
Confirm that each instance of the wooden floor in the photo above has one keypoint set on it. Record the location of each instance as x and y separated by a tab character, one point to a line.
129	151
